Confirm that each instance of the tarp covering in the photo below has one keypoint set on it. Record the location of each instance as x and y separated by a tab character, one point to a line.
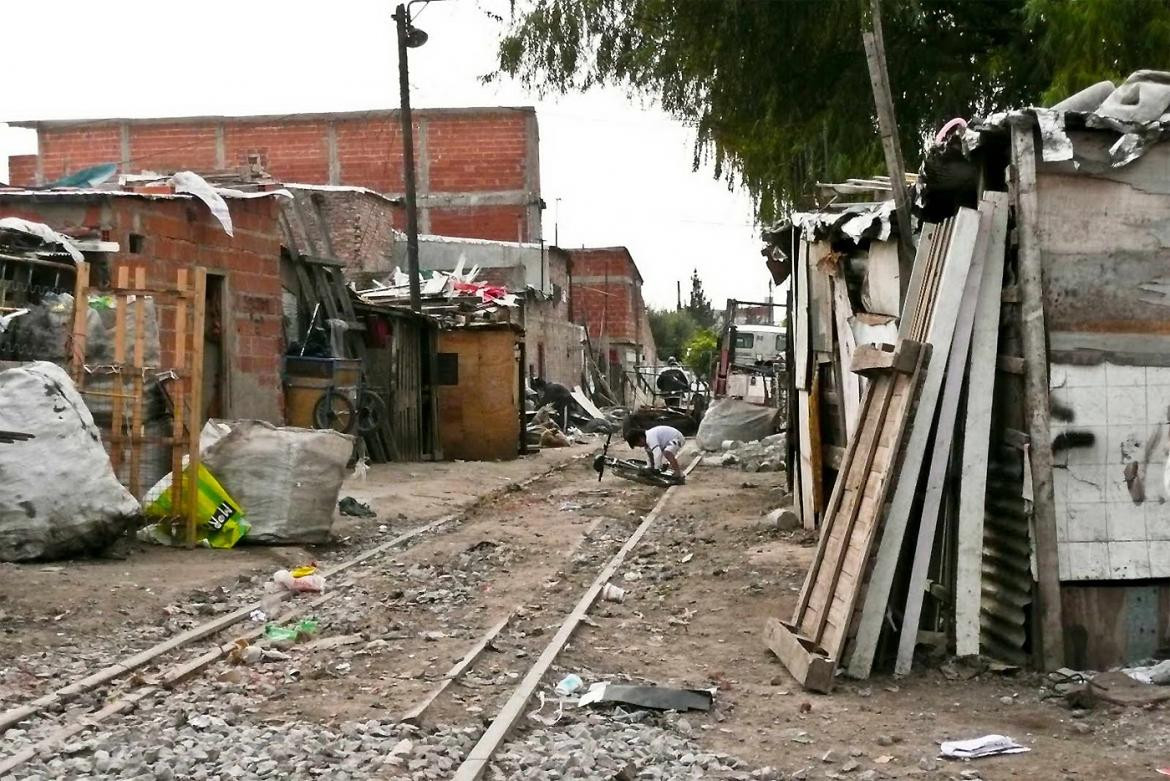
60	497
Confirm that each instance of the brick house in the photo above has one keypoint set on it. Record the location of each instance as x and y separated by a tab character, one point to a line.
166	232
606	297
478	168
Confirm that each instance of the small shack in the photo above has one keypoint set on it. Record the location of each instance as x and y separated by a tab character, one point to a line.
1004	491
480	382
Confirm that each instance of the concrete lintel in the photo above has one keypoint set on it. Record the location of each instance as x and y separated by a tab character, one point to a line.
470	199
124	139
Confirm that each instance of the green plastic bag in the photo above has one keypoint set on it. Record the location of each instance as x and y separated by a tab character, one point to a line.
219	518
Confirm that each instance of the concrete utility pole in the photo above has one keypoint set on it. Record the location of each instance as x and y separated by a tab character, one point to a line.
409	37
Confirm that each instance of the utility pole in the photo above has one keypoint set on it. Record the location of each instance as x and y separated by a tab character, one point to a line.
405	41
879	76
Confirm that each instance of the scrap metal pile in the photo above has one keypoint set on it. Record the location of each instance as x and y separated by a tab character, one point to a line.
455	298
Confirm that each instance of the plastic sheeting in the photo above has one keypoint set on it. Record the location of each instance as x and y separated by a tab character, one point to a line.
287	480
732	419
61	497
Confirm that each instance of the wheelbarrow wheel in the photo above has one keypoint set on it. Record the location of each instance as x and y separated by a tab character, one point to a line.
335	411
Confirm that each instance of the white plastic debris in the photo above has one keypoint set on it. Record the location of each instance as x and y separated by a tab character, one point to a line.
976	748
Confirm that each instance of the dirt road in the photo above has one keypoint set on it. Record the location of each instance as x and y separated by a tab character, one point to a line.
699	587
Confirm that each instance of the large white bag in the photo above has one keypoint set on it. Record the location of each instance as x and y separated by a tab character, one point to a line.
59	496
736	420
285	479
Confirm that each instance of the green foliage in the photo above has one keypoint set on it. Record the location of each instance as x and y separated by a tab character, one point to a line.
778	90
672	330
699	305
701	352
1086	41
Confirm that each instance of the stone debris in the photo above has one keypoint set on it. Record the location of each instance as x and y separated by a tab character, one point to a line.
765	455
603	746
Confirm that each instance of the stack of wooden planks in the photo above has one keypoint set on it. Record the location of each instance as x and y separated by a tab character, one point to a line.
880	532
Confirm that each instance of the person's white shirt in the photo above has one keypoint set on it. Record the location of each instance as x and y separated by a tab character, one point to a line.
662	439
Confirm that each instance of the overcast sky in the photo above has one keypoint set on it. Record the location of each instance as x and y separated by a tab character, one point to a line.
614	170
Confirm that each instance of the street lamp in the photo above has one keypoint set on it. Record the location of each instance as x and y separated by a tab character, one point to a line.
409	37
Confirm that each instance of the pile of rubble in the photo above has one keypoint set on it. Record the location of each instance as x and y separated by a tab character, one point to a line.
764	455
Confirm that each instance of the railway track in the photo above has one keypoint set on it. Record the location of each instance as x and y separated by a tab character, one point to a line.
520	629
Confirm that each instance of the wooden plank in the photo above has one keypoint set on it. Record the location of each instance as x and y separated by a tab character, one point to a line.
176	390
960	244
850	385
801	350
808	505
846	531
587	405
948	410
195	397
118	379
80	324
412	716
1010	364
832	513
820	299
136	386
816	457
977	434
874	498
477	760
1051	634
808	664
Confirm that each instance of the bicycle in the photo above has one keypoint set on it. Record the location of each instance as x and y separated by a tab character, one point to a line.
634	469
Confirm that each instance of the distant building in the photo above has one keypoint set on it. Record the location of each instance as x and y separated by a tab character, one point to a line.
606	296
478	168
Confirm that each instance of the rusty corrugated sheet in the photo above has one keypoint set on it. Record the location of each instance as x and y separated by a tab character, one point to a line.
1007	576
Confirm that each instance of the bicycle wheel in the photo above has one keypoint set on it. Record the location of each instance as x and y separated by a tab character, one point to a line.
334	410
371	412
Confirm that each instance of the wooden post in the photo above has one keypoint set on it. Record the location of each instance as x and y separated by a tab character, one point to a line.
1034	337
80	326
879	77
178	398
195	397
118	388
136	439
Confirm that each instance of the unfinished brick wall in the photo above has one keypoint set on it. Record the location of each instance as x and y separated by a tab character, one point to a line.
176	233
478	170
361	226
607	294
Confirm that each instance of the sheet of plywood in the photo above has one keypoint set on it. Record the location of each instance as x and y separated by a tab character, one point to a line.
801	350
881	289
941	276
977	434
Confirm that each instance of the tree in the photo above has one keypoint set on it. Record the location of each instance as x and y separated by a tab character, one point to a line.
699	305
778	90
672	330
701	352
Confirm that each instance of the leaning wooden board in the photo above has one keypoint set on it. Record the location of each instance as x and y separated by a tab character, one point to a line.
820	625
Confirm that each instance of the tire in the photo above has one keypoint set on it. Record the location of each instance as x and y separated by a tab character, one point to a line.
334	411
371	413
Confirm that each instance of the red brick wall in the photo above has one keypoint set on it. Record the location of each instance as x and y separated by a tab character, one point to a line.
500	223
181	233
458	152
293	151
468	153
22	169
612	310
79	147
168	147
